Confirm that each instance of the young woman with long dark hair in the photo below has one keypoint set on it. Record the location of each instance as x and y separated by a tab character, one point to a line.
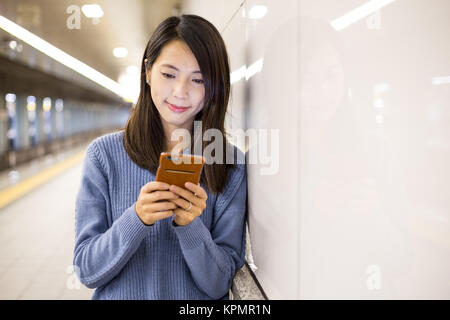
141	239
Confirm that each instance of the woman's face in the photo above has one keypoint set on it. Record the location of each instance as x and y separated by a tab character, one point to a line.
175	80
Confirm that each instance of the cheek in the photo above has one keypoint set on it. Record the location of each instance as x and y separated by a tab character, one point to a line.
159	93
199	98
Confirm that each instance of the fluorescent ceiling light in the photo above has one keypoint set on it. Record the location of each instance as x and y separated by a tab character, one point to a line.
60	56
359	13
120	52
133	70
131	85
92	10
440	80
257	12
253	69
238	74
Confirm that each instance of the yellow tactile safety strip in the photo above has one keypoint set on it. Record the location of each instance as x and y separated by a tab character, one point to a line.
10	194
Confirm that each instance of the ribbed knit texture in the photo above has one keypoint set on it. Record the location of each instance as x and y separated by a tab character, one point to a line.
122	258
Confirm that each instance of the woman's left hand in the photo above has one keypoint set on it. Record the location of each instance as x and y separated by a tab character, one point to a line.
193	193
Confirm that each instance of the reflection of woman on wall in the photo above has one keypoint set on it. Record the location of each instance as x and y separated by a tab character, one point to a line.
338	200
141	239
334	168
341	197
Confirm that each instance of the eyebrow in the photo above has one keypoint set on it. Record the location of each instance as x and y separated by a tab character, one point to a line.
172	67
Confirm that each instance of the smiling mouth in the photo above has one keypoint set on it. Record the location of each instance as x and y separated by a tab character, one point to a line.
176	108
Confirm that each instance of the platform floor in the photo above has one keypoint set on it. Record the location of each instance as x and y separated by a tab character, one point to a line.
37	232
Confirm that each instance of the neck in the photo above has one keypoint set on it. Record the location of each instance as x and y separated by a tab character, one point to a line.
176	146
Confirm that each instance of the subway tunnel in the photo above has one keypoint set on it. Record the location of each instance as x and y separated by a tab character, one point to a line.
341	110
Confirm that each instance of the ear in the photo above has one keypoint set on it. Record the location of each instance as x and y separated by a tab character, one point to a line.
147	72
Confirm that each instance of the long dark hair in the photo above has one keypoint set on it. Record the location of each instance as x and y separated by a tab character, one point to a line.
144	136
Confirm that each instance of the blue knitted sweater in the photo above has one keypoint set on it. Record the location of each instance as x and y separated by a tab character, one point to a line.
120	256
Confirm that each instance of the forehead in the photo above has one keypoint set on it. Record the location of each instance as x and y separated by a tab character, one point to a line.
178	54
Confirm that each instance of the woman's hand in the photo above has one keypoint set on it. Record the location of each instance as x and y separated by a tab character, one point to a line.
196	195
151	206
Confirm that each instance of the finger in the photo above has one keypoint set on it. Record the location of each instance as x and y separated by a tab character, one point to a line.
161	195
195	188
183	204
186	194
184	215
156	196
162	215
160	206
155	185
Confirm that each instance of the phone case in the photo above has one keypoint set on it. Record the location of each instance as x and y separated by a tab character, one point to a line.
172	172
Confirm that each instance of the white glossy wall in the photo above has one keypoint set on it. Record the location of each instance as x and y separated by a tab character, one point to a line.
358	201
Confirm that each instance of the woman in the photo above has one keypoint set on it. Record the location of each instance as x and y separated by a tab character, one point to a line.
141	239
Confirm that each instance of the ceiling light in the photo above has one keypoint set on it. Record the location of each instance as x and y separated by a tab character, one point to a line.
132	70
257	12
13	45
92	10
358	13
254	68
440	80
120	52
60	56
238	74
131	85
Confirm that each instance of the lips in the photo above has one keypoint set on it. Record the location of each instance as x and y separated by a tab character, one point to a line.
176	108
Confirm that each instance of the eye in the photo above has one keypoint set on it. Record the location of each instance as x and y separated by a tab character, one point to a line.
168	75
198	81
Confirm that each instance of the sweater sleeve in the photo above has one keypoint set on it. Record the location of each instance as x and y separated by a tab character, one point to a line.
101	251
213	257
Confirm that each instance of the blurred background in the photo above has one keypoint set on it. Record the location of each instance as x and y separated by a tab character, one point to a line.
346	109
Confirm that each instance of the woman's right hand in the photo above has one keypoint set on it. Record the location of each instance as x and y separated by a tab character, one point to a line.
151	207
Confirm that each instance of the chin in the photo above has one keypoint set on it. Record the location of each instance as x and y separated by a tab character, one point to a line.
176	121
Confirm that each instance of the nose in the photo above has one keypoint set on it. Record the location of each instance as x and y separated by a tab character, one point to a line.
180	90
